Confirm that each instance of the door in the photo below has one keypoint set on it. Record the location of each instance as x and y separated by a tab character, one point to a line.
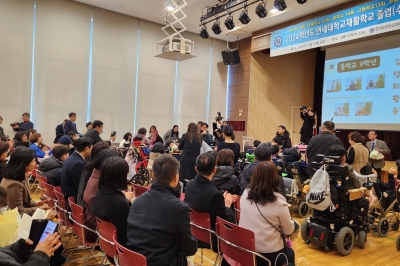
297	122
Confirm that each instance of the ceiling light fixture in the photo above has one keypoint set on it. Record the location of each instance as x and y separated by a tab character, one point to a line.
274	11
244	18
280	5
301	1
216	28
261	11
229	22
169	5
204	33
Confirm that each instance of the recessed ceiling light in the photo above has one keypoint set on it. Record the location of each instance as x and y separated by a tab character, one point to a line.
170	8
274	11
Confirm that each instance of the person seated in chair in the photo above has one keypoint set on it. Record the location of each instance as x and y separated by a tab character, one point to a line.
51	167
337	150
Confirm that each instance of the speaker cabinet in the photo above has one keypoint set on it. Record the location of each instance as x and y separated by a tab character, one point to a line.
231	57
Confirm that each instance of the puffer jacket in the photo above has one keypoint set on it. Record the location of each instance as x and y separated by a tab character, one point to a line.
51	168
18	254
291	155
226	180
320	144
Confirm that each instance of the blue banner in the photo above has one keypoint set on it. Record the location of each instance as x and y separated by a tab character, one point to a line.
360	21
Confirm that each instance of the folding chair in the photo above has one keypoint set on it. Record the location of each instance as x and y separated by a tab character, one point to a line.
139	190
80	229
32	181
236	206
236	244
105	232
49	193
126	257
201	228
41	179
63	213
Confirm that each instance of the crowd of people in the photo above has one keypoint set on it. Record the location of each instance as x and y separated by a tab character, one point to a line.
157	223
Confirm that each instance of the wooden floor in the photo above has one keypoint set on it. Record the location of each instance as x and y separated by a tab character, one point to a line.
378	251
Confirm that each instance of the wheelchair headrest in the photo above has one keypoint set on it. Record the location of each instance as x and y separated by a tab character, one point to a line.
334	160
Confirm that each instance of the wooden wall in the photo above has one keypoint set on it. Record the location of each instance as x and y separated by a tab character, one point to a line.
277	84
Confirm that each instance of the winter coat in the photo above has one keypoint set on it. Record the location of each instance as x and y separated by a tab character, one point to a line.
51	169
226	180
18	254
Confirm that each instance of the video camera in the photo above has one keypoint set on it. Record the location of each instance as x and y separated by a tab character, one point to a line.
303	108
14	124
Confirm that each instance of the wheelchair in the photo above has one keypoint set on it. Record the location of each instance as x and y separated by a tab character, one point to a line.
341	227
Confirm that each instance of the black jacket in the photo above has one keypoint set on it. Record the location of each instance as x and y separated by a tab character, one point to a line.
159	227
308	124
94	135
291	155
111	205
60	131
226	180
320	144
190	151
69	126
247	173
286	140
18	254
18	143
202	195
3	166
207	138
87	172
71	175
51	168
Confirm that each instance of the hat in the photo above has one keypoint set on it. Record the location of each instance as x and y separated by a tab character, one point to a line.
65	140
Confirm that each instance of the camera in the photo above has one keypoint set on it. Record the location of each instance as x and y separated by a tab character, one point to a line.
219	117
14	124
303	108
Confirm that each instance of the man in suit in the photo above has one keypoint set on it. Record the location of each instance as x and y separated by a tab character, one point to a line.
202	195
96	130
73	167
60	131
381	147
70	124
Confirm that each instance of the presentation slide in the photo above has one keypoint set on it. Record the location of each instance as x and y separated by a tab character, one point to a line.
363	91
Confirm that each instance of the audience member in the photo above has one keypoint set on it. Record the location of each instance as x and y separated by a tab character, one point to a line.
199	125
126	141
73	167
265	212
3	199
91	189
95	132
307	128
3	136
88	126
36	141
4	150
94	154
25	125
339	150
321	143
157	151
256	143
21	139
66	142
170	241
190	146
140	137
262	154
276	144
70	124
204	133
171	135
284	136
380	146
357	155
225	178
152	131
22	161
51	167
60	131
20	253
201	195
229	142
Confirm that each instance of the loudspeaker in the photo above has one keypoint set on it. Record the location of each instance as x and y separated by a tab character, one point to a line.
231	57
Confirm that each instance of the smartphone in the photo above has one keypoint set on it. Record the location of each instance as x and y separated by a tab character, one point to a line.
40	229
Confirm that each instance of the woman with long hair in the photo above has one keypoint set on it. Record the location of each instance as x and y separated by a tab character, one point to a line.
284	135
265	212
229	143
22	161
171	135
190	146
126	140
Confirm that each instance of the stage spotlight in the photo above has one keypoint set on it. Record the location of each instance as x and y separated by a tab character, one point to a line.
301	1
216	28
244	18
203	33
280	5
261	11
229	23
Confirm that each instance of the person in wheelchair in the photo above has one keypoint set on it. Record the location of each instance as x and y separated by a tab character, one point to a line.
337	150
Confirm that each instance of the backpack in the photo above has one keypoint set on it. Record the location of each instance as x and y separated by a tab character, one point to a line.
319	196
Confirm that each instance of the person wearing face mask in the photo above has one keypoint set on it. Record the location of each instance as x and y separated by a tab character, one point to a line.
95	132
21	139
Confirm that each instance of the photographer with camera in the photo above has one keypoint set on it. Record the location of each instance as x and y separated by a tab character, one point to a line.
306	131
217	126
25	125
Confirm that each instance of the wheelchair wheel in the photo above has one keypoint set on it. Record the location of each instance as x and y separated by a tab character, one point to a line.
345	241
383	227
362	238
304	230
398	242
395	226
303	209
